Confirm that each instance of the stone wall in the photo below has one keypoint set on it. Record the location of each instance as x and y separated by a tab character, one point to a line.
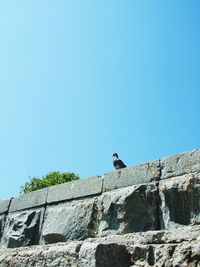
130	217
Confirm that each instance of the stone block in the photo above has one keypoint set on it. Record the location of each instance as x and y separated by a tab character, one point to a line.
61	255
22	228
2	221
180	164
177	247
76	189
180	201
4	205
143	173
169	255
69	221
29	200
103	255
126	210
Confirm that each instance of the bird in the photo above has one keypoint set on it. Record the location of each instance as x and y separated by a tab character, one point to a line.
118	163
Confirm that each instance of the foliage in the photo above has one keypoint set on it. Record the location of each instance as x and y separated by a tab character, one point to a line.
47	180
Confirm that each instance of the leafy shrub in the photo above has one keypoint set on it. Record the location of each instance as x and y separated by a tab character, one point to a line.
49	179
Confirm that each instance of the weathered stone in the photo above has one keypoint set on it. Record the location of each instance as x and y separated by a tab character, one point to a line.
180	164
22	229
143	173
2	221
76	189
61	255
103	255
183	234
69	221
180	201
152	248
29	200
4	205
119	211
130	209
118	227
185	254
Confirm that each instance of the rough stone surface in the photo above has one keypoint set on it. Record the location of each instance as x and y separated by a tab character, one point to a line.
69	221
121	211
22	229
127	210
180	201
29	200
4	205
143	173
75	189
104	255
110	221
180	164
152	248
174	236
61	255
186	255
2	221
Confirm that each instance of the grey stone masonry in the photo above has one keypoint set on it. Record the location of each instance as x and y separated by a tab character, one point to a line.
4	205
22	228
143	173
29	200
179	247
159	195
180	164
77	189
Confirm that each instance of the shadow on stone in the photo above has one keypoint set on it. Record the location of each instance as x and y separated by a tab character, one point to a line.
179	205
112	255
22	229
54	238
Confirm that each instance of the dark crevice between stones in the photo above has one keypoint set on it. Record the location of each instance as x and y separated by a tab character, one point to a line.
158	200
112	255
179	206
171	250
77	250
5	218
150	256
102	186
94	223
54	238
43	219
158	208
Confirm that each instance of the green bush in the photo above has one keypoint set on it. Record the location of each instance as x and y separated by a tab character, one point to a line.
49	179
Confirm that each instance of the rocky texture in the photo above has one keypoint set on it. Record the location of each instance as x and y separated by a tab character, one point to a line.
111	220
41	256
22	229
153	248
143	173
103	255
121	211
180	164
165	255
128	210
75	189
4	205
69	221
29	200
180	201
2	221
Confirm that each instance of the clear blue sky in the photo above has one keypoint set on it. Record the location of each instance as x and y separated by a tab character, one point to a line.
83	79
